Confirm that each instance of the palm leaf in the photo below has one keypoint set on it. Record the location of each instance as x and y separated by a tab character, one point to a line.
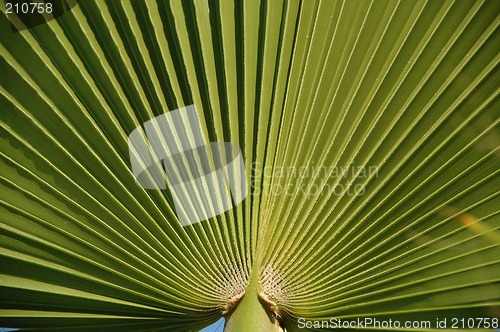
370	134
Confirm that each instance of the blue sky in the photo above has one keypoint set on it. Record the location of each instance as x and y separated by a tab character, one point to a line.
218	326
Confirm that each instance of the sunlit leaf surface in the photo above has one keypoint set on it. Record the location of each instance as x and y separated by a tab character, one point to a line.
370	135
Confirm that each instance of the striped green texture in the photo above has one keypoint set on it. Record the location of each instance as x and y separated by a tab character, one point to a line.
370	132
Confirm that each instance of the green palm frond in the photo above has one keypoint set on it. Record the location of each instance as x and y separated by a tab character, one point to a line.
370	135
